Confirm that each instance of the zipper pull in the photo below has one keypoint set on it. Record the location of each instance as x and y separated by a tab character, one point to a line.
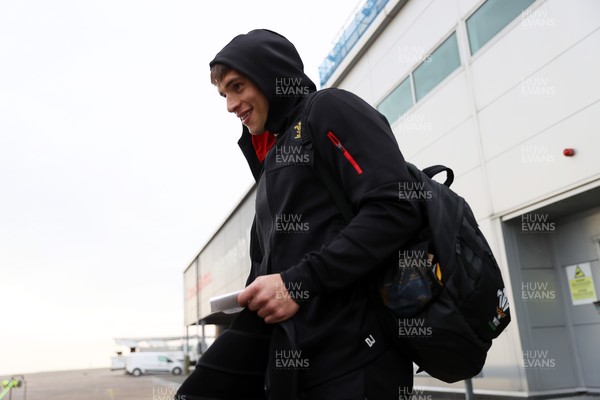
337	143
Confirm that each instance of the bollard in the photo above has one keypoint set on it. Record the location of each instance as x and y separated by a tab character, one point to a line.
468	389
186	364
8	385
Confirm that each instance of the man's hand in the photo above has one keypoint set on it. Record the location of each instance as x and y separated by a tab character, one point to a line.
269	297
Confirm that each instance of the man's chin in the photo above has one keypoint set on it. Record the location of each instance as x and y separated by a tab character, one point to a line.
256	132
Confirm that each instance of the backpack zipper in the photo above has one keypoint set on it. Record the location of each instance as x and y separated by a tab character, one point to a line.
336	142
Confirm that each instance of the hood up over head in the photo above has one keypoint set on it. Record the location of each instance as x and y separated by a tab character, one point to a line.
272	62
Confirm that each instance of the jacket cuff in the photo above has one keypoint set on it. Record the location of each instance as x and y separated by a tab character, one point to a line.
301	284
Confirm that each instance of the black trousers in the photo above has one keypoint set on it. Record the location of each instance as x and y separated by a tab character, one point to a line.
386	378
380	380
234	368
209	384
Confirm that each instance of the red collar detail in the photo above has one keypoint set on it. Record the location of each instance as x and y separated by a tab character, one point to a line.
262	144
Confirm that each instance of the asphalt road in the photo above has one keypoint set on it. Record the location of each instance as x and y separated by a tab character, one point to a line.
95	384
104	384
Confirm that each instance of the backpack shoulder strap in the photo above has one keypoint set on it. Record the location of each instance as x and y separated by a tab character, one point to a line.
436	169
319	165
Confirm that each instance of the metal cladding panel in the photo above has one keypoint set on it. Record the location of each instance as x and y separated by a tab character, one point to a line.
190	287
502	121
558	336
224	263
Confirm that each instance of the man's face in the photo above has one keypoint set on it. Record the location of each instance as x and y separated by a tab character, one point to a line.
245	100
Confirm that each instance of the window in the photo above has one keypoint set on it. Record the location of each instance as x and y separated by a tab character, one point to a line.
397	102
434	69
491	18
442	62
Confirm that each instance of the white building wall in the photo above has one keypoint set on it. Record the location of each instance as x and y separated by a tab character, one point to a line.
501	120
528	85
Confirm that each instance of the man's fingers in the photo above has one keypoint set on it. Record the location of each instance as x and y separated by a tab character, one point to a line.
253	297
265	296
246	296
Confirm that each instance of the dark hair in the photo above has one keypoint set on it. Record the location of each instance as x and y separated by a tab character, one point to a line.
217	72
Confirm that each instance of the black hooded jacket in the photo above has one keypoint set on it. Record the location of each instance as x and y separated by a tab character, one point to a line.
326	264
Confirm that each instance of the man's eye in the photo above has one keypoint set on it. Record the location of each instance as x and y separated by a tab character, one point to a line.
238	86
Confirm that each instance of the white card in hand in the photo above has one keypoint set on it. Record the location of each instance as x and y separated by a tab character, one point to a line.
226	303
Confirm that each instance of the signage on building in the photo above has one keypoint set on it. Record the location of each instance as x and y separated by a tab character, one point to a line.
581	284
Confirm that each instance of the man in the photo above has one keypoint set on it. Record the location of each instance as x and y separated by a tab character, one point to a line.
310	325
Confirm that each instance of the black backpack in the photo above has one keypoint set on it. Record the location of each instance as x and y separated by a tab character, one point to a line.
449	338
448	301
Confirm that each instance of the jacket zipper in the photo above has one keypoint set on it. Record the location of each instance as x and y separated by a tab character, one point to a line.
336	142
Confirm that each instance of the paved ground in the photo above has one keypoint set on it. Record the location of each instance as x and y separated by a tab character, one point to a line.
103	384
96	384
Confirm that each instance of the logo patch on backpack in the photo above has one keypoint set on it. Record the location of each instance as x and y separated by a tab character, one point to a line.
501	309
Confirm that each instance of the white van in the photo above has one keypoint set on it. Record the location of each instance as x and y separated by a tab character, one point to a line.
152	362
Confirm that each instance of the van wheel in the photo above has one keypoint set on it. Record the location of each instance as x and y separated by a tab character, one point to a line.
176	371
137	372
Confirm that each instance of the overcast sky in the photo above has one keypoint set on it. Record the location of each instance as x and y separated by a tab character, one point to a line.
118	161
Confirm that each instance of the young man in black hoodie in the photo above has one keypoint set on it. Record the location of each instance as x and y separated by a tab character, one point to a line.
309	330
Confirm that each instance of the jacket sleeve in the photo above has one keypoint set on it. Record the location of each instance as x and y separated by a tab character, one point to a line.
357	143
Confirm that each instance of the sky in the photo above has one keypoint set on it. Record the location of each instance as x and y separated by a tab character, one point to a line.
118	161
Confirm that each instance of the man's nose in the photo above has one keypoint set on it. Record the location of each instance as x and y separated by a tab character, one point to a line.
233	104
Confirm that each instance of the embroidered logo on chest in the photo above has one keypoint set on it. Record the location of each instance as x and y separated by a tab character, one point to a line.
298	129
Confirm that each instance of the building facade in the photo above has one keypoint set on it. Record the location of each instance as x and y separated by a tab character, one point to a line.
507	94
